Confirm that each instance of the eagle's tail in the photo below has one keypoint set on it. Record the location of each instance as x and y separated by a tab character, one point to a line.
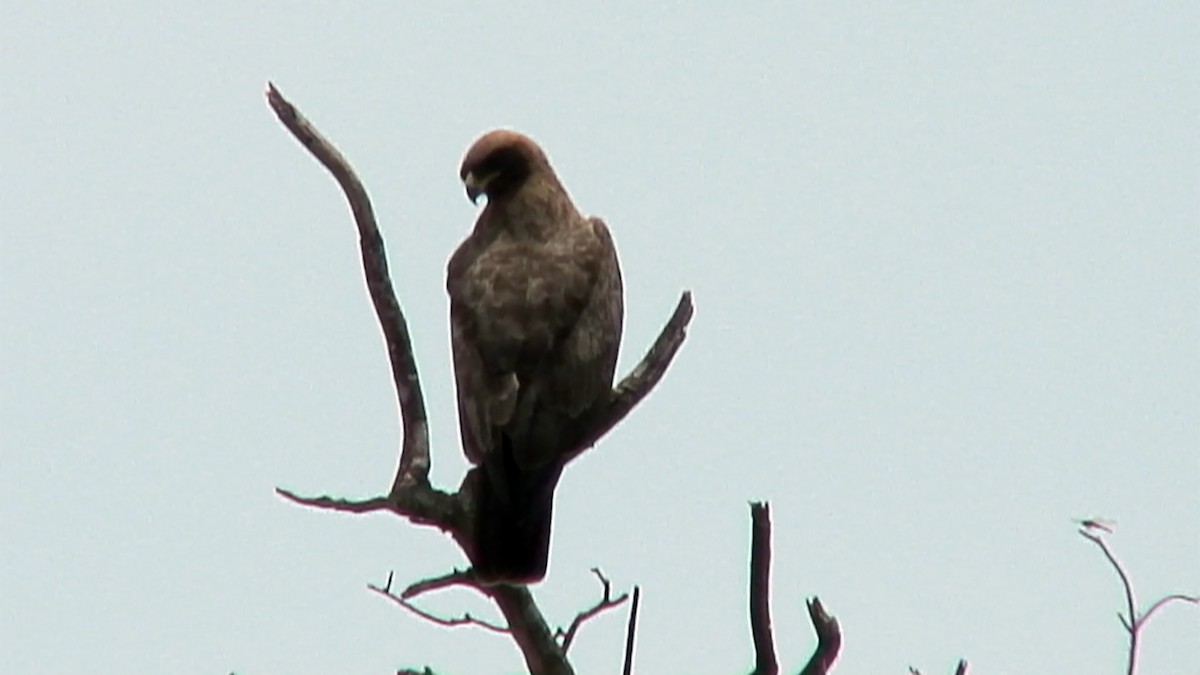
512	519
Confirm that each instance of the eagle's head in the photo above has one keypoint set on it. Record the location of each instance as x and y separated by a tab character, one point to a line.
499	163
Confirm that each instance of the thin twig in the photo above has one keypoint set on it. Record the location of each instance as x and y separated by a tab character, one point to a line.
1194	599
1131	625
455	578
631	630
641	380
421	503
337	504
765	660
451	622
606	602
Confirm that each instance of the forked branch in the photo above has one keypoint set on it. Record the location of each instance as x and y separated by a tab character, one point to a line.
450	622
1131	620
605	603
829	633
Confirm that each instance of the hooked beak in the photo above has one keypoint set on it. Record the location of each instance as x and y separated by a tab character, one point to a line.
476	186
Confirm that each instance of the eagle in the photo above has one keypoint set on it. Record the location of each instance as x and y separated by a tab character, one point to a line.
536	312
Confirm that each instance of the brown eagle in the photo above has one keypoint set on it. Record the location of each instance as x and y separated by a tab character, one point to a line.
535	315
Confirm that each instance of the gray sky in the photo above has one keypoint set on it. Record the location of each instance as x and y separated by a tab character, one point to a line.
945	265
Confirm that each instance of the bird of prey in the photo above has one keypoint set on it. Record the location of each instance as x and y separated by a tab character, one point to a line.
536	311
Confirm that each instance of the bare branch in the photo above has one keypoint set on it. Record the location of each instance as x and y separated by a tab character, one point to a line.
1194	599
529	629
765	662
414	454
421	504
829	639
337	504
455	578
631	630
452	622
1132	622
637	384
606	602
543	656
1131	603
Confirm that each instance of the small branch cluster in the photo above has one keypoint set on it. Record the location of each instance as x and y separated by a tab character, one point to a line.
454	578
606	602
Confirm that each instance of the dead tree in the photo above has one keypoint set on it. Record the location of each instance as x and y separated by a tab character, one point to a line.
413	497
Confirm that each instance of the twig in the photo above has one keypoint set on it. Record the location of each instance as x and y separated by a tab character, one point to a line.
641	380
451	622
631	630
455	578
336	504
414	454
829	639
605	603
765	662
1132	622
1194	599
421	503
1131	625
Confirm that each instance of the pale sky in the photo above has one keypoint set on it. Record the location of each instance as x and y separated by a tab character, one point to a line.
946	262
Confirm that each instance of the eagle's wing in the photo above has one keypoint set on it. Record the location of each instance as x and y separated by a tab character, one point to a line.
486	393
474	423
582	371
560	390
537	398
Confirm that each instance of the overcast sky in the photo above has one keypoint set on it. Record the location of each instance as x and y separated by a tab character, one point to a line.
946	262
